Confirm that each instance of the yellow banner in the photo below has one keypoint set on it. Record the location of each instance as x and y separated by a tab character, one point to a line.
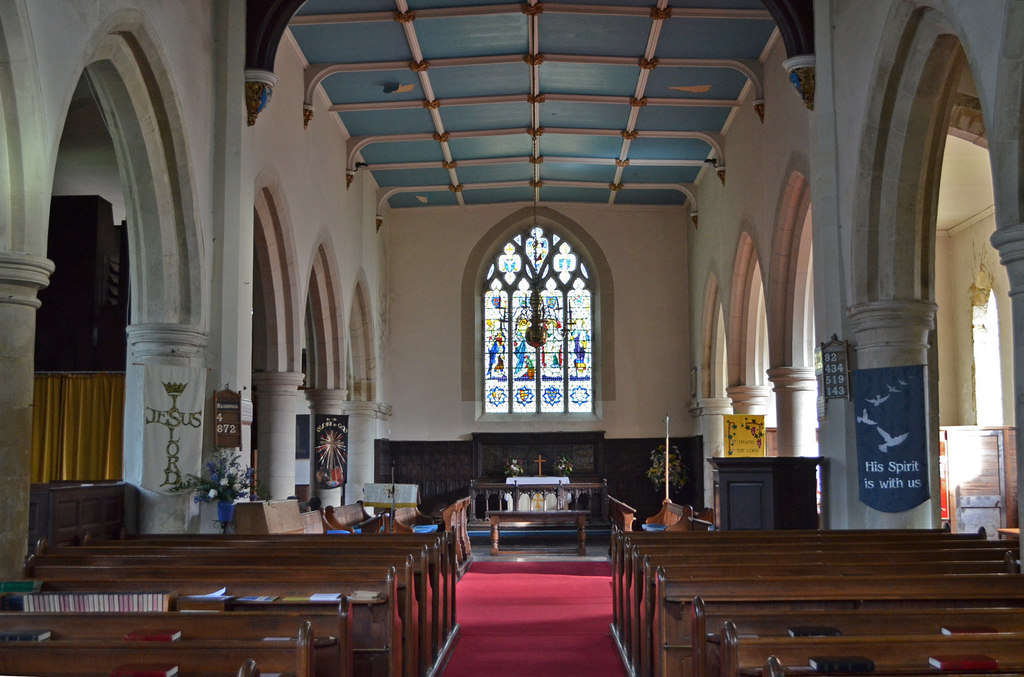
744	435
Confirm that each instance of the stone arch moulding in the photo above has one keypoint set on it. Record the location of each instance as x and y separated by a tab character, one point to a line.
787	275
362	345
1005	128
143	115
602	284
328	326
906	123
277	346
747	288
709	383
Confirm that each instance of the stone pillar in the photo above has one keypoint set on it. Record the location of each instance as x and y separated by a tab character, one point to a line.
749	399
363	428
796	394
894	333
157	345
21	277
1009	242
709	412
275	430
324	402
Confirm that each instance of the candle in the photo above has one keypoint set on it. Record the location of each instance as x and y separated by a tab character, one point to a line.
666	459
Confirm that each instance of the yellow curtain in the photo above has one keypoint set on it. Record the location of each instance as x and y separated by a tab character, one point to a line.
77	427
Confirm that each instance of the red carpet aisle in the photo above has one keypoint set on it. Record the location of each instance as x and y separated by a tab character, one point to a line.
535	619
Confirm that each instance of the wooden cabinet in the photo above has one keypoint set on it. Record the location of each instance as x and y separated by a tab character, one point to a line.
765	493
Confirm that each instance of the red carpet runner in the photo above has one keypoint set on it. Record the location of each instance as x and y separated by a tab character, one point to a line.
536	619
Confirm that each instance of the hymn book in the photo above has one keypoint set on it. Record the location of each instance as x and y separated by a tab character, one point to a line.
970	662
24	635
966	629
813	631
160	635
144	670
842	664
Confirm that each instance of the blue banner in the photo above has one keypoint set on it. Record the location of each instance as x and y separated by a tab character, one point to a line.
892	437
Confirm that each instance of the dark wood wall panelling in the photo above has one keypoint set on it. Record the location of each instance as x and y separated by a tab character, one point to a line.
443	469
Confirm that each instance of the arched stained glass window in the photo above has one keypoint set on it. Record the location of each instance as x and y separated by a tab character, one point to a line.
538	328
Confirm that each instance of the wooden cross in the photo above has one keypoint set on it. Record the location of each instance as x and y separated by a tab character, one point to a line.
539	461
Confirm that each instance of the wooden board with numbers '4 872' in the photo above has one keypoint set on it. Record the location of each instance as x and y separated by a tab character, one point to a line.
227	416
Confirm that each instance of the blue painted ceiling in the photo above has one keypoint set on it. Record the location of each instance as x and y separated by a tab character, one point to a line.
475	102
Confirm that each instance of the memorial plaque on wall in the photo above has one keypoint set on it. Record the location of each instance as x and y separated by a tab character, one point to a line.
227	416
330	434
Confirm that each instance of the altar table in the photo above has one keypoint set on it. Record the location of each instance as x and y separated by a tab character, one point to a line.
529	517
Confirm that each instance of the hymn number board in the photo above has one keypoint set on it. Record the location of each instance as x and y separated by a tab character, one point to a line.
835	369
227	414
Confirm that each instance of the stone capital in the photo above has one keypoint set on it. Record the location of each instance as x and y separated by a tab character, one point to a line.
277	382
795	379
155	340
326	400
1009	241
892	332
22	276
749	399
374	410
711	406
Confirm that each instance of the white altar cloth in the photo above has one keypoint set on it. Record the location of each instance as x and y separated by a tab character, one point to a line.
522	481
379	495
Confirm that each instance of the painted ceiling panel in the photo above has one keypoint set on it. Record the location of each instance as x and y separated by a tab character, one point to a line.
512	145
409	121
695	83
650	197
681	118
661	174
491	80
491	116
669	149
353	43
557	171
403	151
473	36
580	78
373	86
594	35
412	177
585	115
430	4
517	171
497	195
311	7
444	198
581	146
713	38
559	194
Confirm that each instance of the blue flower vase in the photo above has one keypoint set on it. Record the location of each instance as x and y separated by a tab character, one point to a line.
225	511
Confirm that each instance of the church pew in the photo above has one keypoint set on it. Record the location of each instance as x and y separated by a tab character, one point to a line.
675	626
332	646
907	653
455	518
84	658
56	563
379	626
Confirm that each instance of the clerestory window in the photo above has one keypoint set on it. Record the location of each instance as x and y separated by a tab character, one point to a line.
538	328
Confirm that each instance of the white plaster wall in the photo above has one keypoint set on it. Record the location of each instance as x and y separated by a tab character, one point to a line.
428	250
958	259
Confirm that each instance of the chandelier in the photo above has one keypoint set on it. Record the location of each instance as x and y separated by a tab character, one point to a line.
537	332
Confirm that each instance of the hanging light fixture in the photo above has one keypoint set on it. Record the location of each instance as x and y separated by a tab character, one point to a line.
537	332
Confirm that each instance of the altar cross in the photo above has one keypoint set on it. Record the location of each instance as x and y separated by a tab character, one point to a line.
539	461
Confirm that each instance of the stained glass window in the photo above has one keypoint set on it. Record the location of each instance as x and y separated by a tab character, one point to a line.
538	328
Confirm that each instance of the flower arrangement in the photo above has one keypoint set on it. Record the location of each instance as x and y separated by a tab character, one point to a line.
676	472
226	480
563	465
513	467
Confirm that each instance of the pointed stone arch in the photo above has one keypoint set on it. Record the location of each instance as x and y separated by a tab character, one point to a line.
363	367
790	295
276	305
746	315
326	324
714	366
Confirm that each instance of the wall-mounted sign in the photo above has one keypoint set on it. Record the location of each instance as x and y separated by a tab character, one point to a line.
835	369
331	455
227	418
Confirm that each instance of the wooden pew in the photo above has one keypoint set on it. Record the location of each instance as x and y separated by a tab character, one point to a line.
86	657
621	515
455	518
352	518
332	646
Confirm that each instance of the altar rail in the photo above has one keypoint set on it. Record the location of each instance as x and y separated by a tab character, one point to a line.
591	496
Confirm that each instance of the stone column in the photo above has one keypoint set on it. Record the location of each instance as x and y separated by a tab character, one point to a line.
275	430
1009	241
363	428
894	333
325	402
796	406
21	277
749	399
709	412
152	345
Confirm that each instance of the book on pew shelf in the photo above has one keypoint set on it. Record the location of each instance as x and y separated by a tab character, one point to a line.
257	599
841	664
202	603
813	631
963	662
25	585
966	629
325	597
156	635
144	670
24	635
